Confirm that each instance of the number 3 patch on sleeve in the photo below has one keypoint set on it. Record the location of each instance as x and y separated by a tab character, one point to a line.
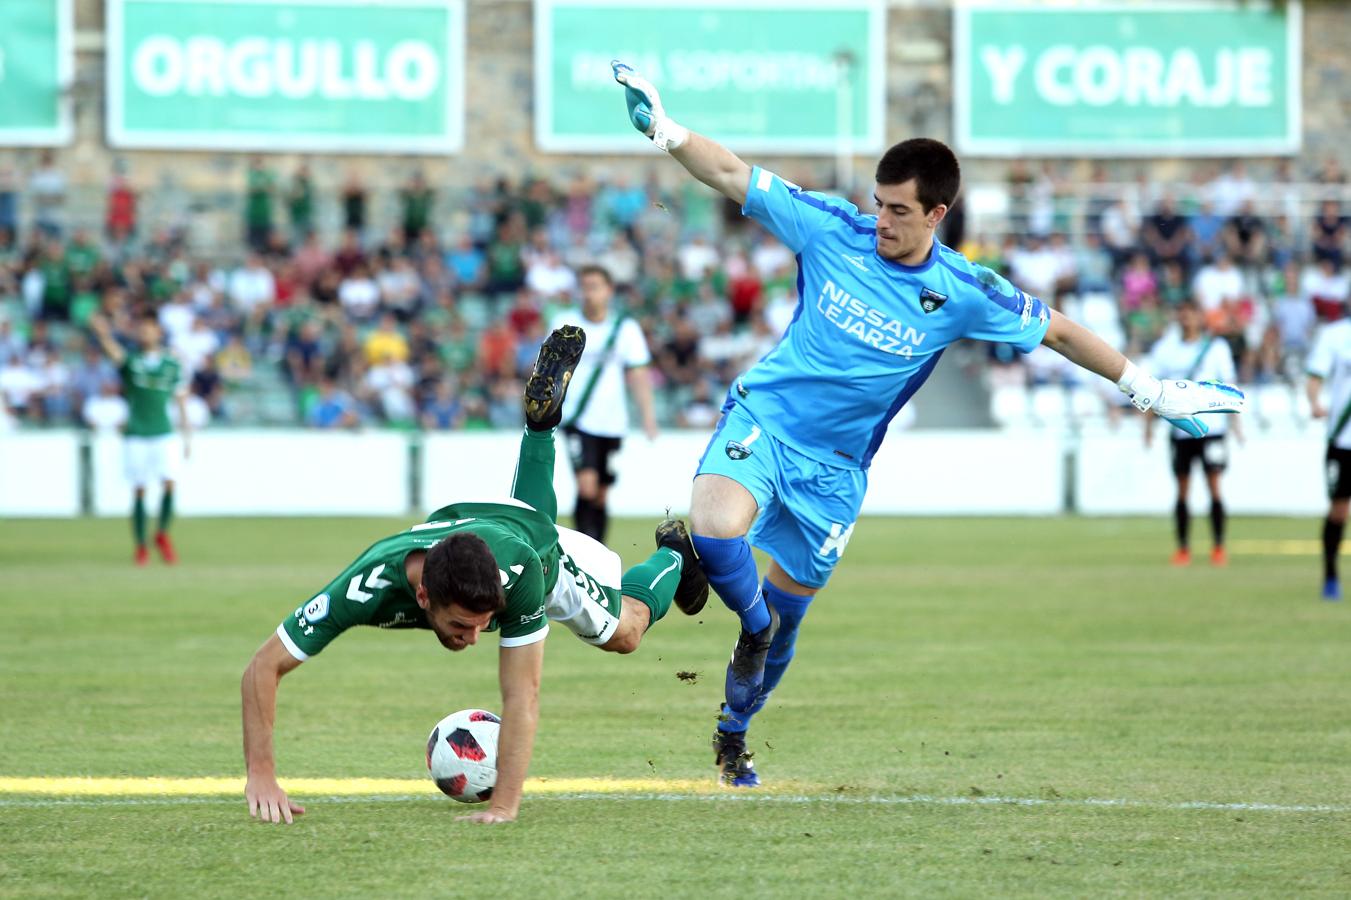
316	609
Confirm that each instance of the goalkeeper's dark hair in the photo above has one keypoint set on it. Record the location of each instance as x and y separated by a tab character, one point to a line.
931	163
461	570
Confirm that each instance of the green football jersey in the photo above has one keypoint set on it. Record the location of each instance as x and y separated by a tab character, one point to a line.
374	589
149	380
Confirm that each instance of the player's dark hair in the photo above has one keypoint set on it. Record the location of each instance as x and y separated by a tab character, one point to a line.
461	570
1190	303
593	269
931	163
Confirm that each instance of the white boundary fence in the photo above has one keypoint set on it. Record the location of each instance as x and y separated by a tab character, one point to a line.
271	472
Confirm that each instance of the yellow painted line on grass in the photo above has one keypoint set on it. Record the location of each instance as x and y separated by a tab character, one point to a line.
1257	547
66	786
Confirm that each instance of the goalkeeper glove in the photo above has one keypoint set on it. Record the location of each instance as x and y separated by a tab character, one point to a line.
1180	402
645	109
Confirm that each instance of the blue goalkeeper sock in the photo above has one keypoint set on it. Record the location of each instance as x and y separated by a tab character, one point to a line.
791	608
730	568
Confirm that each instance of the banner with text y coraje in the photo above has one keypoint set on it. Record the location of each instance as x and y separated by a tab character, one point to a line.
1176	78
36	66
323	75
757	75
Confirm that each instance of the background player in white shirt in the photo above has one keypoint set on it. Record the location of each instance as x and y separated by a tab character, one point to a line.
1193	354
596	414
1330	363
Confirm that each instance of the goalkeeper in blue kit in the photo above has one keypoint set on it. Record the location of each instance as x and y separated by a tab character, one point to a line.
880	298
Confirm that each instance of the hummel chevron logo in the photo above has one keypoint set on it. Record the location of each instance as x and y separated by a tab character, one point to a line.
373	581
855	261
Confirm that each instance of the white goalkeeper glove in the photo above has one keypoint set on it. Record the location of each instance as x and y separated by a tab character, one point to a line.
645	109
1180	402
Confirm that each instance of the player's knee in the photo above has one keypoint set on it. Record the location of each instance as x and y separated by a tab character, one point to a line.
716	522
624	641
720	508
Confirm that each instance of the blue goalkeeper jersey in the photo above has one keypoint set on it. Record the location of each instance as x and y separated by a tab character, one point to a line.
867	331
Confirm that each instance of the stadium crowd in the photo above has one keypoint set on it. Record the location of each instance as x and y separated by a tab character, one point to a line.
434	323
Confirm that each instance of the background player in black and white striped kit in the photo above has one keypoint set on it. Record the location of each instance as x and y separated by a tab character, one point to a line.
1330	363
614	367
1191	353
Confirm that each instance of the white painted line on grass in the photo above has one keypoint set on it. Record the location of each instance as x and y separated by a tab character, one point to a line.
729	797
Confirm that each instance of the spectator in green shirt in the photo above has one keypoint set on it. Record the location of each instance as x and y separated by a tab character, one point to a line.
83	254
258	205
56	283
416	197
300	204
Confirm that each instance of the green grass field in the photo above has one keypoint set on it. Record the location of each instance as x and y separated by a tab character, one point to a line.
1011	707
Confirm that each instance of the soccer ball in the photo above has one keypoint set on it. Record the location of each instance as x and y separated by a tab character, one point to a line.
462	755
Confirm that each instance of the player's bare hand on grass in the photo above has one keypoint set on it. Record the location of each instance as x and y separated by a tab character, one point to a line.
269	803
488	817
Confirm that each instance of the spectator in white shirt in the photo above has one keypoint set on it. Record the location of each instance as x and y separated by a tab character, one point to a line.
546	276
177	316
769	256
1230	189
195	346
359	294
696	258
390	384
1217	283
251	287
47	186
53	377
21	388
1035	268
11	344
400	287
106	411
620	259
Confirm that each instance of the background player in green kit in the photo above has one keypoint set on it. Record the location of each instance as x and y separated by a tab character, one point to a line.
503	566
150	377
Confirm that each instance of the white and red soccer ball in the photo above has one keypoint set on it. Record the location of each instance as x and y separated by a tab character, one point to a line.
462	755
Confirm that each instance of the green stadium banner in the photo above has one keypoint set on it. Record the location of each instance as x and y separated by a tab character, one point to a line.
1143	79
36	65
757	75
315	75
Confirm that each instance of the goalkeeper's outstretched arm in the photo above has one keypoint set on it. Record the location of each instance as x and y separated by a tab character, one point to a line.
1177	401
705	159
1084	348
715	166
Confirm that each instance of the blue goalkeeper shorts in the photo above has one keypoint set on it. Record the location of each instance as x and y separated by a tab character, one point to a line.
807	508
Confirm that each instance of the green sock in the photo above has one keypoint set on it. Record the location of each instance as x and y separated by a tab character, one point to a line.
166	510
138	520
653	582
533	482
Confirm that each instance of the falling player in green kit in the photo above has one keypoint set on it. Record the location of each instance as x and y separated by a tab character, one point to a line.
503	566
150	377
